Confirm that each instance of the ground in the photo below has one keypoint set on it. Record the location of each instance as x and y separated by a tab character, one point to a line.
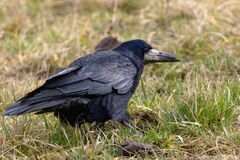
188	110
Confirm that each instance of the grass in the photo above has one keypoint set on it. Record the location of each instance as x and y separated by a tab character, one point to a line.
190	110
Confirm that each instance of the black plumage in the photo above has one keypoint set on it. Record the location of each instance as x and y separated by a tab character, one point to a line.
94	88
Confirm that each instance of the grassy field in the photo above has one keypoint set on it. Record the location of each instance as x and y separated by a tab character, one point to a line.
188	110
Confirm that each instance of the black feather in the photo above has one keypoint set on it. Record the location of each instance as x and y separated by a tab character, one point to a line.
96	87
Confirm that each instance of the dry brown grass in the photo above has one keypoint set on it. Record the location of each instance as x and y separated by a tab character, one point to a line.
195	111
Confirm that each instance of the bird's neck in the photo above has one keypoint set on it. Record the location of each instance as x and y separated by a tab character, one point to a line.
134	56
138	63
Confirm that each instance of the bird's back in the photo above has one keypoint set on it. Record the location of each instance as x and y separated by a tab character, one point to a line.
83	88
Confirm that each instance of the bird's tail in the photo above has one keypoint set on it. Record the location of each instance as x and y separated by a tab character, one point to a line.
40	100
44	99
23	107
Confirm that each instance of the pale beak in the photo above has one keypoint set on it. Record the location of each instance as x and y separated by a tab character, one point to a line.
154	55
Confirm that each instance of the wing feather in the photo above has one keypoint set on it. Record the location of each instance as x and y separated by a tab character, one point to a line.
93	75
97	78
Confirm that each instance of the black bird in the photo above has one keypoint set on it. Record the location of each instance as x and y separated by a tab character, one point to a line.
93	88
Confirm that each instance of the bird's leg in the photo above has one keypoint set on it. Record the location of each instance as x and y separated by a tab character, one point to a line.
126	123
100	125
134	129
124	119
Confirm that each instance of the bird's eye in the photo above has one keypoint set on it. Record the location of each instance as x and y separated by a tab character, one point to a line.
145	50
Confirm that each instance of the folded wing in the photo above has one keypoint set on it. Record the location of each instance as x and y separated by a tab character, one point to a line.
90	76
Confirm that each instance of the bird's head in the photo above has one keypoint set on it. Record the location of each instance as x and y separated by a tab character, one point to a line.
144	51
